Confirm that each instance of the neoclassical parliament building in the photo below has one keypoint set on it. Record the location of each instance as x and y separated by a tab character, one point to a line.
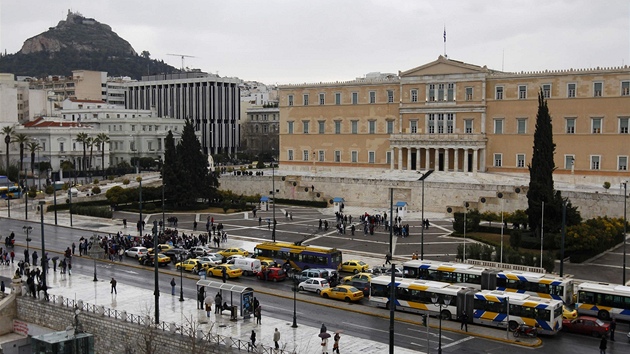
448	115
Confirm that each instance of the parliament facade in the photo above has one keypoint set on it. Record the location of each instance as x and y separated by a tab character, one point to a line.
448	115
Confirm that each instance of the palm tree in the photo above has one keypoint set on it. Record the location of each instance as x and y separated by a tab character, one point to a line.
66	165
83	138
7	131
33	146
90	143
102	138
22	139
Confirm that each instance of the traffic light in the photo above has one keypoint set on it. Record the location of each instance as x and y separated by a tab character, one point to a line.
424	320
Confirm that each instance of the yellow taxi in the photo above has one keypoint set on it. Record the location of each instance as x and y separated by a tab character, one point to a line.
346	293
231	271
358	277
190	264
162	247
147	260
267	263
569	313
232	251
354	266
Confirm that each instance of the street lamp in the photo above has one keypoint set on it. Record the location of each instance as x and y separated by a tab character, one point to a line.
422	178
500	196
94	252
273	195
445	301
54	193
295	289
44	257
25	195
27	229
625	198
465	217
181	278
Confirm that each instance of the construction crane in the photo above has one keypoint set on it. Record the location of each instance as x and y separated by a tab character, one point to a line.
182	56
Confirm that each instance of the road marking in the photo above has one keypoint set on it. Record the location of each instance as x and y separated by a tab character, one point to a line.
425	331
379	330
282	309
457	342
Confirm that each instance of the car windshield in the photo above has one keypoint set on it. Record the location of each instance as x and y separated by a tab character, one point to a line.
352	289
361	263
600	322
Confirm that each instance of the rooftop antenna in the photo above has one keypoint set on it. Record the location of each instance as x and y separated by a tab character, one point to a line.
182	56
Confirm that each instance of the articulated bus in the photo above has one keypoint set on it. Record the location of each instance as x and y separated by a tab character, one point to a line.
603	300
480	278
299	256
484	307
11	192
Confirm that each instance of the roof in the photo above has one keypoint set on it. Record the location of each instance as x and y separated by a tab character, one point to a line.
41	122
338	200
86	101
401	204
211	284
264	199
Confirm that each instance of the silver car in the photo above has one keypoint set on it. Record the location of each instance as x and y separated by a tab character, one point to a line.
136	252
314	284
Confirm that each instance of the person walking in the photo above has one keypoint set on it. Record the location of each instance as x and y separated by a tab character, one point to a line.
113	282
276	338
325	346
26	256
258	314
252	341
201	295
464	319
35	258
208	304
613	326
218	300
388	258
173	283
336	343
603	344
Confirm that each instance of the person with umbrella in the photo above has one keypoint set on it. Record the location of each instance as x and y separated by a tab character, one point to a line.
336	343
324	336
54	260
208	302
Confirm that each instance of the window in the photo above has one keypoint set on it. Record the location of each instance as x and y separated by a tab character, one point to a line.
290	155
305	99
498	92
431	123
469	93
372	97
520	160
322	98
569	161
413	126
338	98
372	127
390	96
622	162
571	88
625	88
522	92
290	97
450	92
570	125
414	95
355	98
546	88
61	149
321	156
596	125
371	156
449	122
440	92
498	160
498	126
440	123
305	155
388	157
337	156
597	89
305	127
390	127
290	127
431	92
355	126
595	160
337	127
133	128
623	125
521	126
468	126
355	156
322	126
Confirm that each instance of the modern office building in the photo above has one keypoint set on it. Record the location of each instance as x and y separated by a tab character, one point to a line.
448	115
211	102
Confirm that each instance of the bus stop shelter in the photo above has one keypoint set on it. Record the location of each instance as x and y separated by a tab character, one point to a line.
240	296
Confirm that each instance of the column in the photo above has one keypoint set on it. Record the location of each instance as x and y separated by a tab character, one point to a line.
482	160
436	163
456	160
465	160
418	158
426	159
475	159
391	158
446	150
399	159
408	158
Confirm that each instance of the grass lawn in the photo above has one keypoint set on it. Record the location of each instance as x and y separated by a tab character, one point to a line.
495	240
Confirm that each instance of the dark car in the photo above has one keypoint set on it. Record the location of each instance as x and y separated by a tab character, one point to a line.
273	274
177	253
148	260
361	285
592	326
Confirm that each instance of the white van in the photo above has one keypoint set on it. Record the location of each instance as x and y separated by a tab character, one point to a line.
249	266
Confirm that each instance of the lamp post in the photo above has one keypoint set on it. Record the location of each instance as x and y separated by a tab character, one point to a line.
273	195
44	257
295	289
181	278
9	208
54	193
440	303
25	195
422	178
70	199
500	196
27	229
625	198
542	233
94	252
465	217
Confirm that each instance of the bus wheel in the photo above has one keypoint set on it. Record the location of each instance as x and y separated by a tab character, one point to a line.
445	314
512	325
603	315
387	305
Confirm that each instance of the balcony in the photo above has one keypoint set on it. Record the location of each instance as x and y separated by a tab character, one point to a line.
441	140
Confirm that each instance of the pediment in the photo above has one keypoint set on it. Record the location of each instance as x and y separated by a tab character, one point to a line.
444	66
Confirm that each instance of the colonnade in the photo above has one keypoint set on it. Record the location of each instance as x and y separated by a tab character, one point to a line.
456	159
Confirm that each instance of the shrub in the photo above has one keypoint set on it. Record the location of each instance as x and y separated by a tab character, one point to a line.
49	189
139	178
111	177
149	206
95	181
606	185
260	164
125	181
96	190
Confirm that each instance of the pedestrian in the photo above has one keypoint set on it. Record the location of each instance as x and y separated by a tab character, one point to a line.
34	258
258	314
259	220
325	346
74	247
323	329
218	300
2	290
69	267
26	256
603	344
113	282
336	343
224	274
201	295
12	256
208	304
173	283
54	259
276	337
388	258
252	341
464	319
613	326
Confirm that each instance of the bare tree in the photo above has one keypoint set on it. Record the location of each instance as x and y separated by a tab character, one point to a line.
200	342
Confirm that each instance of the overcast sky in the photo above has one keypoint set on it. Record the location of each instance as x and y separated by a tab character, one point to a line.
296	41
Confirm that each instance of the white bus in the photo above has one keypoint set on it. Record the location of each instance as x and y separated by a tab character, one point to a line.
604	300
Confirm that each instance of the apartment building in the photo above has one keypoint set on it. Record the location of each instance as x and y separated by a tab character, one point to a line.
449	115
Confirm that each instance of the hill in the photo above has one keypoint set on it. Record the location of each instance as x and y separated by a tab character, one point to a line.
80	43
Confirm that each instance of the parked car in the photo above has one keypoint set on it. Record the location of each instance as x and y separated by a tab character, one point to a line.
232	258
354	266
177	253
209	260
272	273
231	271
366	277
586	325
231	251
163	260
568	312
162	247
343	292
249	266
216	256
191	264
199	251
136	252
311	273
314	284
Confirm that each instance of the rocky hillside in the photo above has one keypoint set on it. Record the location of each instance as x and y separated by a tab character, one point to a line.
80	43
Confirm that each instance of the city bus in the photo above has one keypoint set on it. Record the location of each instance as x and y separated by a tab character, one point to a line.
299	256
11	192
603	300
481	278
484	307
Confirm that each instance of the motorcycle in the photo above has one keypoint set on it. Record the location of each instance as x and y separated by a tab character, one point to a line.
524	330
